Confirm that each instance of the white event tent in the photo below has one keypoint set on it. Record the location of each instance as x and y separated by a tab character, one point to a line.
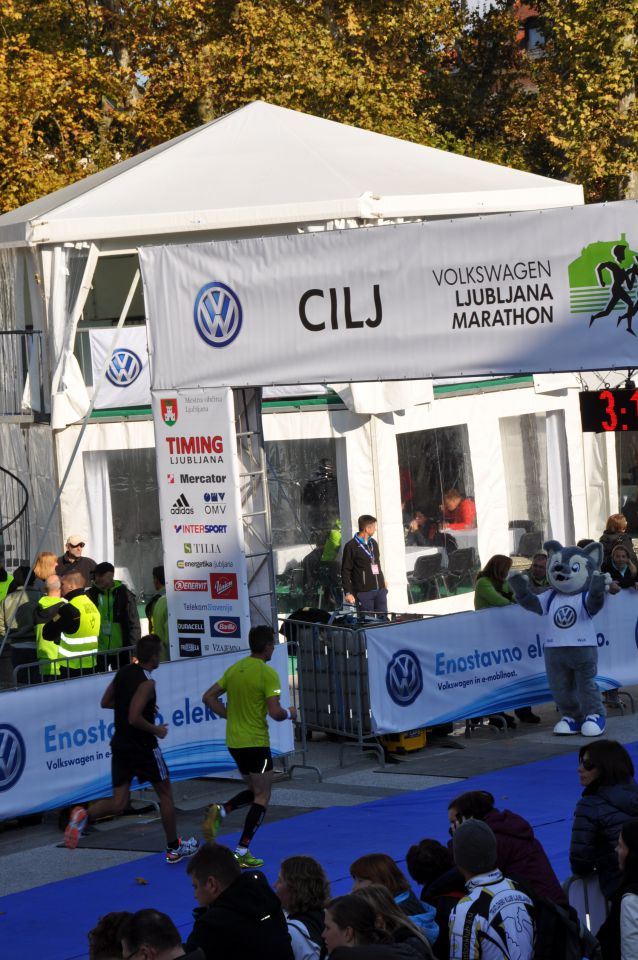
69	258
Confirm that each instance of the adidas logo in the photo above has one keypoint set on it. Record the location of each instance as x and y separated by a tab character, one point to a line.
182	507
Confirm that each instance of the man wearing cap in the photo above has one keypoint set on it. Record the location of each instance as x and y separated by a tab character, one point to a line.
495	920
119	619
72	560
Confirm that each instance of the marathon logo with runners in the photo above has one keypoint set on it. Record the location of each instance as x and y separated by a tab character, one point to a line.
602	283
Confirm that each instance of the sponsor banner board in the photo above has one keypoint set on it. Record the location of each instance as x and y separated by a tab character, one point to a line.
544	291
202	527
427	672
54	737
127	381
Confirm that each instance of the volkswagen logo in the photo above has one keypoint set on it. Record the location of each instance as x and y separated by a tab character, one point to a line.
124	368
13	755
218	314
565	617
404	678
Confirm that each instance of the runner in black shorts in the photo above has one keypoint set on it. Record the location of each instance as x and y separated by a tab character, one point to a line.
252	692
135	752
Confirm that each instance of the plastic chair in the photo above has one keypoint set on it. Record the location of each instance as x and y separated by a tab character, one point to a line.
428	576
461	567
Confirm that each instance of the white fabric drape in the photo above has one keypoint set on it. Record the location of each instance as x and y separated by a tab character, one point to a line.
384	396
561	522
98	495
67	273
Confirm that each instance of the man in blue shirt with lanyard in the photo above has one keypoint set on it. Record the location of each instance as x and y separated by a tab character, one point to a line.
363	580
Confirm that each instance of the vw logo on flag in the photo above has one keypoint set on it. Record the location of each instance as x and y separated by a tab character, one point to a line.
13	755
124	368
565	617
404	678
218	314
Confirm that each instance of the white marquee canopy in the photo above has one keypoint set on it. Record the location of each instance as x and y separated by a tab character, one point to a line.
263	165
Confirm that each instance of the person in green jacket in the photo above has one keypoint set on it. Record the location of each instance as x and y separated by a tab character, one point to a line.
157	611
493	590
5	582
492	587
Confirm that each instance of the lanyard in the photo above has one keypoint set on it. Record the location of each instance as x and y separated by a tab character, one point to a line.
367	548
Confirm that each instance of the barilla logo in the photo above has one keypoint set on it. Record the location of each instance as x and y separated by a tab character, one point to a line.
224	585
190	586
224	626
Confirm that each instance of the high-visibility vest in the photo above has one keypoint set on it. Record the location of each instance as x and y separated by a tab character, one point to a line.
47	650
85	640
4	586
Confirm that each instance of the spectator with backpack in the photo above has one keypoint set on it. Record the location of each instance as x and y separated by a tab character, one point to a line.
304	890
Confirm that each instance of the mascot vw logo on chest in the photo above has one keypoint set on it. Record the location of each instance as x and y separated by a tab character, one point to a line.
124	368
218	314
404	678
13	756
565	617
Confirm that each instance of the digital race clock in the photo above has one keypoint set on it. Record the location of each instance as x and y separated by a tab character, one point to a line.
610	410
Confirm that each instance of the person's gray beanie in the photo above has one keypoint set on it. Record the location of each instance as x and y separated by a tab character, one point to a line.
474	846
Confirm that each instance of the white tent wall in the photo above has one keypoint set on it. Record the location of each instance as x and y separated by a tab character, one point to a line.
372	469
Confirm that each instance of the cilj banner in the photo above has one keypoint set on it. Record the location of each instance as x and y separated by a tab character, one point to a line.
536	292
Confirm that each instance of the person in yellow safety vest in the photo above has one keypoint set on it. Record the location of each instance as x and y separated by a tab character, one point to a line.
75	627
48	652
5	582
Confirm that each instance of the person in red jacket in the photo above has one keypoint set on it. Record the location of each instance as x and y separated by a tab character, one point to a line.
520	856
459	513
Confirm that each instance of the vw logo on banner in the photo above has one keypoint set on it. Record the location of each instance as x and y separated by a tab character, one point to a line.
218	314
404	678
13	755
565	617
124	367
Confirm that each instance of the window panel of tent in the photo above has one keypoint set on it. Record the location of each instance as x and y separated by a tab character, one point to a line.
306	525
439	514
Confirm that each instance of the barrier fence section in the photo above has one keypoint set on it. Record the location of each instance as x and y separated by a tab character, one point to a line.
54	737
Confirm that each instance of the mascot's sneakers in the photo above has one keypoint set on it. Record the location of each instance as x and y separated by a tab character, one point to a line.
567	727
593	725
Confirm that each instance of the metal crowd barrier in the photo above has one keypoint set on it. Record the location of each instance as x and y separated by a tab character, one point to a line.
30	674
331	687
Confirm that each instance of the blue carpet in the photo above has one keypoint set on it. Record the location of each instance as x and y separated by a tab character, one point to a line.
52	920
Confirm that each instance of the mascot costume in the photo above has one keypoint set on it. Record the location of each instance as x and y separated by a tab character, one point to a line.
576	594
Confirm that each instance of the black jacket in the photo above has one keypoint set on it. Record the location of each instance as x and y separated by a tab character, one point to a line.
599	815
610	540
124	611
356	567
83	565
246	922
377	951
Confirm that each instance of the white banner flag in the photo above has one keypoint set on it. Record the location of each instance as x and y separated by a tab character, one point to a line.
202	527
521	293
54	738
426	672
126	382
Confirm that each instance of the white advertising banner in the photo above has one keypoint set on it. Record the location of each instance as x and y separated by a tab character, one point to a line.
426	672
202	528
54	738
127	381
518	293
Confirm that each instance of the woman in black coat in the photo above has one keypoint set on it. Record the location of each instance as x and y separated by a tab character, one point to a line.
616	532
609	800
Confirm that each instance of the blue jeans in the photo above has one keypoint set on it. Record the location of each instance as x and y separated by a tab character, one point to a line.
373	600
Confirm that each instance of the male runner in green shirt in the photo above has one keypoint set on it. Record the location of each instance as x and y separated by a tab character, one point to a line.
252	691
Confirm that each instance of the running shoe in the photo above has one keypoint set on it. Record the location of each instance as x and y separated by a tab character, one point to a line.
75	827
185	849
212	821
246	860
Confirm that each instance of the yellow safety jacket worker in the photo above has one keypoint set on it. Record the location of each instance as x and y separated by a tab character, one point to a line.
4	586
80	647
48	652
